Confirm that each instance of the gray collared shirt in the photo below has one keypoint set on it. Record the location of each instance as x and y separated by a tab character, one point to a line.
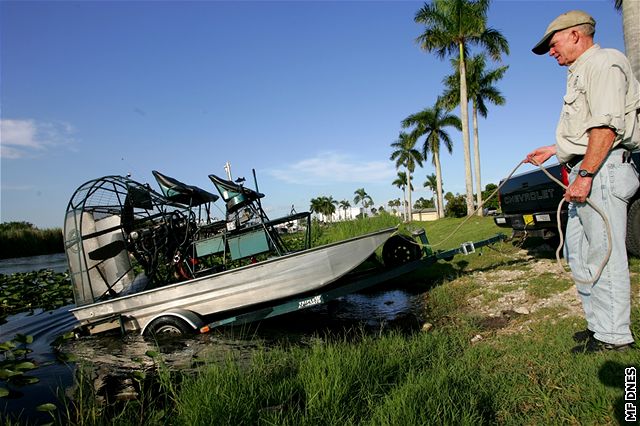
601	92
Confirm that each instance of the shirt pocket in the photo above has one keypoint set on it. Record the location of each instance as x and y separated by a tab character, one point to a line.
574	114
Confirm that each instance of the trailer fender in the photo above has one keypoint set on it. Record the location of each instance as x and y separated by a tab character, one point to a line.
183	316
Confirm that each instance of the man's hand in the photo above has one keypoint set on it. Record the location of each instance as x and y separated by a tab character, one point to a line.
540	155
579	190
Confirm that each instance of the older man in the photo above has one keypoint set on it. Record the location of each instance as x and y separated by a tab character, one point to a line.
596	126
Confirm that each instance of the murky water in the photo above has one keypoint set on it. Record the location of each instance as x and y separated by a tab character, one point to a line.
45	327
56	262
117	356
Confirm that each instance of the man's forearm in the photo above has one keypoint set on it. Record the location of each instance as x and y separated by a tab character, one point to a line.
600	143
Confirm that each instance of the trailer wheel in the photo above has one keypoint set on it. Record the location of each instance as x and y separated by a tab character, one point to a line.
399	250
633	228
168	326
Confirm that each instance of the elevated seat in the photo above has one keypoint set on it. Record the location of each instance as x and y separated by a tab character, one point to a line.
181	193
236	196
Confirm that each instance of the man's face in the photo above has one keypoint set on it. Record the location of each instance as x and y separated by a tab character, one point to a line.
562	46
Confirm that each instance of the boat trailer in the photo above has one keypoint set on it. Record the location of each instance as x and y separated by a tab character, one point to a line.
402	248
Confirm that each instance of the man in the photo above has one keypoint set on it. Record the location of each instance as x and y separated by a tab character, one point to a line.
597	123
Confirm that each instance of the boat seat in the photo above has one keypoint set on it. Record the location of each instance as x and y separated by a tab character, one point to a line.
236	196
181	193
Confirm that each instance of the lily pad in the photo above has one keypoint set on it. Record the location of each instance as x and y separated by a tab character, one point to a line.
25	365
46	407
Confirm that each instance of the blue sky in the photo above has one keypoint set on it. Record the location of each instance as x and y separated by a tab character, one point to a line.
310	94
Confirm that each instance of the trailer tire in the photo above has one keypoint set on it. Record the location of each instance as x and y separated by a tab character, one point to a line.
633	228
399	250
168	326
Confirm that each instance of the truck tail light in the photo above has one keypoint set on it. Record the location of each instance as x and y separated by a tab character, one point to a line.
565	175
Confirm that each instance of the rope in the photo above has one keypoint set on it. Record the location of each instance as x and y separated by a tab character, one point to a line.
480	206
558	219
605	260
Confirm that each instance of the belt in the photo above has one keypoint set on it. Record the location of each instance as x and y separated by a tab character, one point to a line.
571	163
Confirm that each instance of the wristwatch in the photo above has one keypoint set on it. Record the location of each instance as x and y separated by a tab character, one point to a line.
584	173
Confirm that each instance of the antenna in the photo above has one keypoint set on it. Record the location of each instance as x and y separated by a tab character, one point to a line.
227	168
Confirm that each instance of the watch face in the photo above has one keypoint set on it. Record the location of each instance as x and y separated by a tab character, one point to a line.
585	173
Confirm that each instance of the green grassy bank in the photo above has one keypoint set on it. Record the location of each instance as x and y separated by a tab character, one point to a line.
20	239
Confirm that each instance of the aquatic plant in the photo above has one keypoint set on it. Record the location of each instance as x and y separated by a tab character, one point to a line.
27	291
15	364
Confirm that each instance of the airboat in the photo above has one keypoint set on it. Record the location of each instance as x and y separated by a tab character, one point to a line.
159	262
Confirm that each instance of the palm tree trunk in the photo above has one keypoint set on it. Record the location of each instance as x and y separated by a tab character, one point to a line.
409	207
476	155
631	27
464	112
404	203
440	205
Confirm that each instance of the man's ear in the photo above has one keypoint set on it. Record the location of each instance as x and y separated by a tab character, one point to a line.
575	36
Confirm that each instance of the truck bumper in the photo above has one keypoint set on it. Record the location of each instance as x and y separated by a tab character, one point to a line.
542	224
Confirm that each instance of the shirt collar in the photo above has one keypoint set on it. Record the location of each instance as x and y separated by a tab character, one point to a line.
584	57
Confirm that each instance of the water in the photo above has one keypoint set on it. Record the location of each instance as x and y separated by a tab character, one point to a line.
45	327
57	262
115	357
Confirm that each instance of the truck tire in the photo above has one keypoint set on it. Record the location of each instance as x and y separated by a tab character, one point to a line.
168	326
633	228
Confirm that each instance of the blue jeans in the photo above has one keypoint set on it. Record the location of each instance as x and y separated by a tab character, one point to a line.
607	302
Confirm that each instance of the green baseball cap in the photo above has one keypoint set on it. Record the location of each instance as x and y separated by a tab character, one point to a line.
564	21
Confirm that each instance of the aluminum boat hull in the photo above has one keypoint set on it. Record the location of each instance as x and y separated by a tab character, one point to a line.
270	280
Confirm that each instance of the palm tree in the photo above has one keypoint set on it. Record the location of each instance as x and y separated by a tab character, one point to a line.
432	123
631	28
406	155
362	197
345	205
451	26
324	206
329	207
316	205
481	90
432	184
394	203
401	182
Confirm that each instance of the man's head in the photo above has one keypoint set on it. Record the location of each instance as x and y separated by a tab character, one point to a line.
567	37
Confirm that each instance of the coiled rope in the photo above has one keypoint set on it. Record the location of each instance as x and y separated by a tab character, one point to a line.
598	273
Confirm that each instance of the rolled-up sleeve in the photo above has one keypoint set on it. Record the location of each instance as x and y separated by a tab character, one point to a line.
606	94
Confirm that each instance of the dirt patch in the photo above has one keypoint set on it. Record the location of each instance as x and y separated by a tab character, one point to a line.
504	303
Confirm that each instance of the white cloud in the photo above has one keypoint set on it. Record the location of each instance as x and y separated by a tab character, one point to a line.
333	167
22	138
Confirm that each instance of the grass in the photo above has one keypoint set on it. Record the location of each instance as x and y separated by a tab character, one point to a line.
526	376
325	234
20	240
547	284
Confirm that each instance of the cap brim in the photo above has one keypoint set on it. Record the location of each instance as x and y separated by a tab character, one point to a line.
543	45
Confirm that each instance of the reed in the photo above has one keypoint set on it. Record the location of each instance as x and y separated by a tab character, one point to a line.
19	239
338	231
